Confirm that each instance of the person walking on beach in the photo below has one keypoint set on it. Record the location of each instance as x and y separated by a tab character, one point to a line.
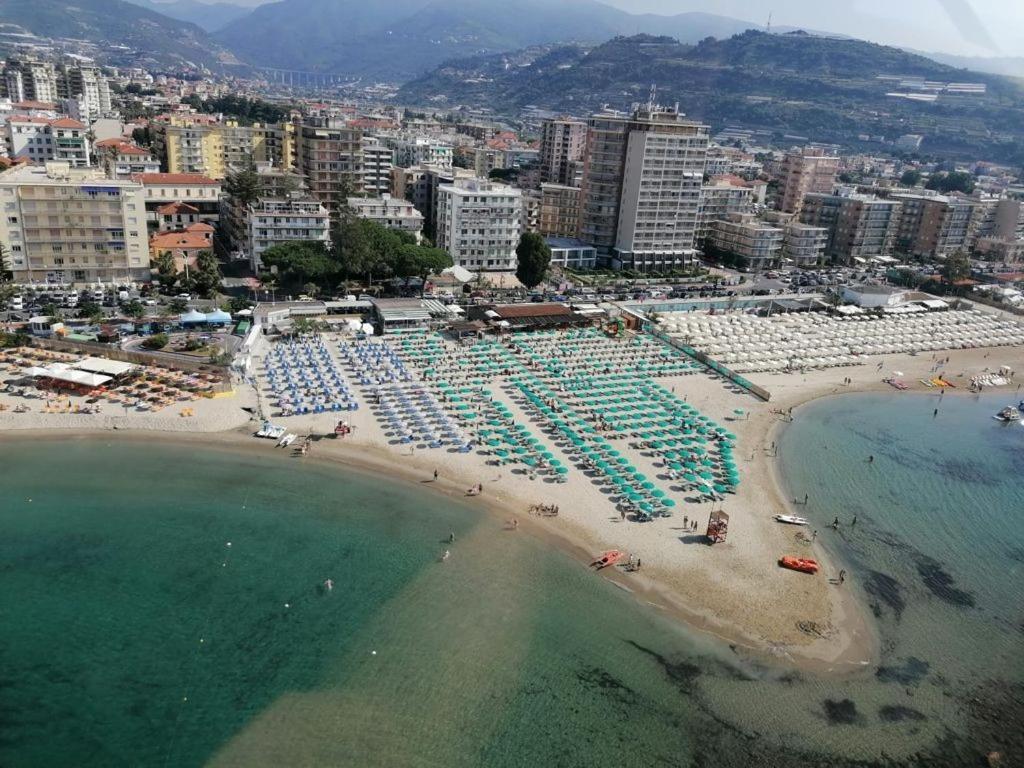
451	537
854	521
935	413
806	497
842	576
435	475
814	535
622	515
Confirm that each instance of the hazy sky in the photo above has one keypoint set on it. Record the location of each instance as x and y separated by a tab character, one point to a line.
971	27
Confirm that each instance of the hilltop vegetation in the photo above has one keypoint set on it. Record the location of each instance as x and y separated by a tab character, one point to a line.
794	84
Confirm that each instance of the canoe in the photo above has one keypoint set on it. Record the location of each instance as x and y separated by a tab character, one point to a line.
802	564
610	557
792	520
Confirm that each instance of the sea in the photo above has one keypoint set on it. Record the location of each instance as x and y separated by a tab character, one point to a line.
167	604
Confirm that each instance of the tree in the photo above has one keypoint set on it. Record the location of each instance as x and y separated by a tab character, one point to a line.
166	271
206	277
954	181
534	258
91	311
300	262
135	310
957	267
236	304
244	185
178	306
5	272
156	341
910	178
420	261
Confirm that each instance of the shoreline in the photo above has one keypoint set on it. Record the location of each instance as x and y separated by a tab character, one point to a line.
370	461
733	593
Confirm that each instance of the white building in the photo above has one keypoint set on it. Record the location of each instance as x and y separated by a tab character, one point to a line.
40	139
390	212
378	160
479	223
422	151
275	221
73	225
874	296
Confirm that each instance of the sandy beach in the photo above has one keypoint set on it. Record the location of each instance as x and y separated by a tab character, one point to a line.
734	590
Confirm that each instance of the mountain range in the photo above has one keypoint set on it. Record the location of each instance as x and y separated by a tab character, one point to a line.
790	85
400	39
120	29
208	16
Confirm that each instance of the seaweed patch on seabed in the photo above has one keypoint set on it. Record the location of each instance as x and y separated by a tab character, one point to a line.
683	674
940	583
967	472
884	589
843	712
615	688
911	672
894	713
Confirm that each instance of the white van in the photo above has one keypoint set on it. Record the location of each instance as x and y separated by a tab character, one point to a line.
16	304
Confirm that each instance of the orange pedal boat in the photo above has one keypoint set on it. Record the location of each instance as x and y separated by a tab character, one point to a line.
802	564
611	557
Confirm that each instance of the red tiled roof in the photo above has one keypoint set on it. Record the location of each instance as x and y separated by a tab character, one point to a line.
180	240
29	104
67	122
531	310
29	119
110	142
191	179
131	149
199	226
176	207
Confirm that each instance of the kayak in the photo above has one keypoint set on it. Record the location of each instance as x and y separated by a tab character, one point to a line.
610	557
802	564
792	520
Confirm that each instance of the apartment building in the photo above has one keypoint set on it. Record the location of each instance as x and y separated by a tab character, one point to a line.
420	150
121	159
393	213
271	183
40	139
88	87
640	196
802	244
562	144
30	80
719	198
198	191
419	186
860	227
378	160
935	226
273	221
479	223
809	171
192	145
72	225
559	211
755	244
329	155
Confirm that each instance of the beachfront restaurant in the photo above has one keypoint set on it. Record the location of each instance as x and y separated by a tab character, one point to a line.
529	317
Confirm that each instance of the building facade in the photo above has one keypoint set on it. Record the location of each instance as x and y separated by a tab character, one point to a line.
73	225
562	144
807	172
935	226
329	155
803	245
40	139
860	227
559	211
756	244
200	192
393	213
479	224
275	221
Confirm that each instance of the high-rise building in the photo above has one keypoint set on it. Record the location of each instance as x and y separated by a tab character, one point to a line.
88	87
378	160
479	223
563	141
271	183
860	227
640	196
420	150
935	226
30	80
808	172
559	211
329	154
802	244
72	225
419	186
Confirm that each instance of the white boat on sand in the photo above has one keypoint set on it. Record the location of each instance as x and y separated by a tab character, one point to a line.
792	520
287	440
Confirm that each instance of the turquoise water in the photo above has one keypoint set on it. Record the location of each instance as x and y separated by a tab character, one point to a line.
132	634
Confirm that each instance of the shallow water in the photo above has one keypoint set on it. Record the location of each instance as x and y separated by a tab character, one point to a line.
132	634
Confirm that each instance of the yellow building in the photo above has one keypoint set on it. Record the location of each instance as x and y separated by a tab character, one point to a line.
210	148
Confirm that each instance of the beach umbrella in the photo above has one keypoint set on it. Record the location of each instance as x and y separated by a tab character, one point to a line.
668	503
